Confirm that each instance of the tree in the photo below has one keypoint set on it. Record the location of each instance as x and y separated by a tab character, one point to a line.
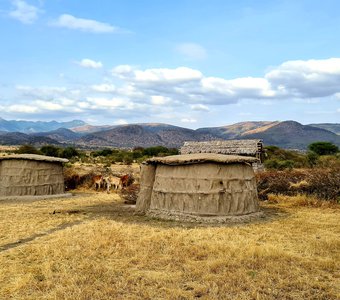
323	148
50	150
69	152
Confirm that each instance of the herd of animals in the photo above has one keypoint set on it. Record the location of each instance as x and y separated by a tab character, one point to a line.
111	182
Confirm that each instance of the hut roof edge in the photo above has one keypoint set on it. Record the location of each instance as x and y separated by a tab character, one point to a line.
199	158
34	157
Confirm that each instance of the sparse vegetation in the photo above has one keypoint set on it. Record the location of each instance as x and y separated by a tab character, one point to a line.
321	183
281	159
137	154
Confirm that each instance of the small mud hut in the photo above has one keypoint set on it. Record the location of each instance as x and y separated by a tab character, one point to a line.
31	175
198	187
251	148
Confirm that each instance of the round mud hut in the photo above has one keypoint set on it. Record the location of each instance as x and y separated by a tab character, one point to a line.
199	187
31	175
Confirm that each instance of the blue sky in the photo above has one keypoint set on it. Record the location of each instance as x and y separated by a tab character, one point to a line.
190	63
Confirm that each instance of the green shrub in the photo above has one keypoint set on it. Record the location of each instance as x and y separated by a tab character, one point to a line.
323	148
50	150
69	152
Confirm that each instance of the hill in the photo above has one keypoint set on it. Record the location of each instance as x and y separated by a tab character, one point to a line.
19	138
143	135
286	134
61	135
235	130
291	134
333	127
87	129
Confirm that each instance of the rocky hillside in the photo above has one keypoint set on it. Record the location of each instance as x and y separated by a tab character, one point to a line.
291	134
143	135
236	130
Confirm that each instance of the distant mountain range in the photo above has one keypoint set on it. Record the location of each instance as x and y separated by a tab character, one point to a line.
39	126
286	134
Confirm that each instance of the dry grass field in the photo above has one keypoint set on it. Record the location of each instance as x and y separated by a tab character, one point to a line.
92	246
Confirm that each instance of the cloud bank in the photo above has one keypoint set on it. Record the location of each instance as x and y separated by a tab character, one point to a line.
182	93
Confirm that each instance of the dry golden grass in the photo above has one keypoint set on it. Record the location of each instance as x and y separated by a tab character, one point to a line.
292	254
301	200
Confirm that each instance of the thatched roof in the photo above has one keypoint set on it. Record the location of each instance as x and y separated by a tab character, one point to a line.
34	157
236	147
200	158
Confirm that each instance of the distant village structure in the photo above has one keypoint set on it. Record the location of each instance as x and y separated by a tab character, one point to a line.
31	175
250	148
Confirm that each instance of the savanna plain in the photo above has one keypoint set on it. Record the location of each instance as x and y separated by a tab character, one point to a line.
92	246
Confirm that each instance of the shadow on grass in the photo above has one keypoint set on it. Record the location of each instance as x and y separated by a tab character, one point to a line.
121	212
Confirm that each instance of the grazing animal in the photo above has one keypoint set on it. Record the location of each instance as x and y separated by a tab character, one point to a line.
112	181
126	180
97	181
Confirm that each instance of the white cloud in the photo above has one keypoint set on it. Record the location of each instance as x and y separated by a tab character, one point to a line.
22	108
89	63
121	122
310	78
87	25
191	51
164	75
159	92
181	74
188	120
199	107
159	100
102	102
247	87
103	88
45	105
24	12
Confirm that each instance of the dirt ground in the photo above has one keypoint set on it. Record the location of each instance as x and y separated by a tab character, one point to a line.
93	246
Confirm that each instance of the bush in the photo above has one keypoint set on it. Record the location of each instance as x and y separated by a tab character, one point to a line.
280	159
104	152
312	159
321	183
69	152
279	164
323	148
130	194
50	150
27	149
